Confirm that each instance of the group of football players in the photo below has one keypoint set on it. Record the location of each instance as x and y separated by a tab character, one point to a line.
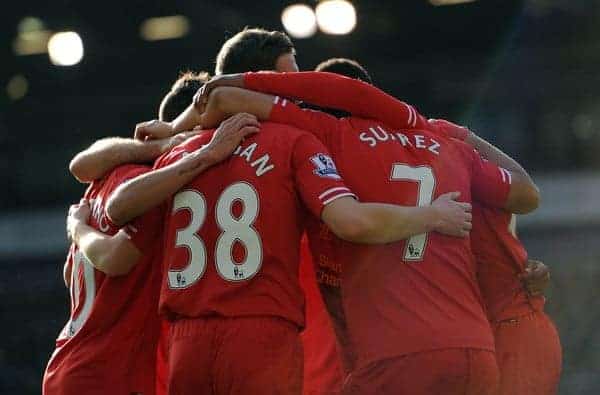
285	232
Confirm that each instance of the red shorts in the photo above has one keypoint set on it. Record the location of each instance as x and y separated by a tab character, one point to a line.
91	382
242	355
77	374
162	353
448	372
529	355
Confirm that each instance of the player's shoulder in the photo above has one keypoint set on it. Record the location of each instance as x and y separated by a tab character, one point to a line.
459	149
355	122
275	127
461	146
124	172
283	134
189	145
114	178
195	142
496	217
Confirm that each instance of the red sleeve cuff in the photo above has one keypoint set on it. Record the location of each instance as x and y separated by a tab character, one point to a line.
251	81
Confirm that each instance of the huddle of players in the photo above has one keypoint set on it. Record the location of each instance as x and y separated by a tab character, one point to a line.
219	236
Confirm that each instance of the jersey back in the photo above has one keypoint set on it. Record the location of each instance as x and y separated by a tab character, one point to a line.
422	293
501	258
233	233
322	364
110	316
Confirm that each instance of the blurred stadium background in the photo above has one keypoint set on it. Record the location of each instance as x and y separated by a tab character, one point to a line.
524	74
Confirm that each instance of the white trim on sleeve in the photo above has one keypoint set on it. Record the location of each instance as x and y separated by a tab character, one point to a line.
331	199
332	190
506	176
410	115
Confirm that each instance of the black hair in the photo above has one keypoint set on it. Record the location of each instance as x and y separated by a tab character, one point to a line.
181	94
252	50
347	67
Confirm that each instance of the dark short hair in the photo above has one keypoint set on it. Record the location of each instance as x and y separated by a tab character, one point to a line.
181	94
252	50
347	67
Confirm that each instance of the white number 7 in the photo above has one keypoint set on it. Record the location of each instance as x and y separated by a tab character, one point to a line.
423	175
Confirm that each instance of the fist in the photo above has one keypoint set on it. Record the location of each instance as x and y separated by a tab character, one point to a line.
153	130
536	277
201	96
78	213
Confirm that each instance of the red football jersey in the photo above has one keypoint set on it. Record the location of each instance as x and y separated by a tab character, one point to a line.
233	234
420	294
108	344
501	258
162	357
322	364
336	91
501	254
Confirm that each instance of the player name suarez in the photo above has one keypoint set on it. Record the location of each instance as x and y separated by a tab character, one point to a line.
377	134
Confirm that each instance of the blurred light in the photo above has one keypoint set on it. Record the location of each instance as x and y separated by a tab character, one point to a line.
30	24
449	2
336	16
164	28
583	127
32	38
65	49
299	20
17	87
32	42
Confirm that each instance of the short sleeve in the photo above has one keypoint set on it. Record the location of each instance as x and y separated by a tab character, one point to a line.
168	157
315	175
182	149
318	123
490	184
337	91
145	231
161	161
118	177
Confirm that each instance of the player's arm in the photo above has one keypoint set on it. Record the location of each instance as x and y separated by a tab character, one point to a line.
222	103
67	269
524	195
208	114
324	193
536	277
497	187
326	90
226	101
106	154
113	255
230	100
377	223
192	117
140	194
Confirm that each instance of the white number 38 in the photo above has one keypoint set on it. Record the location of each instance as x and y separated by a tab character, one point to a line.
234	229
